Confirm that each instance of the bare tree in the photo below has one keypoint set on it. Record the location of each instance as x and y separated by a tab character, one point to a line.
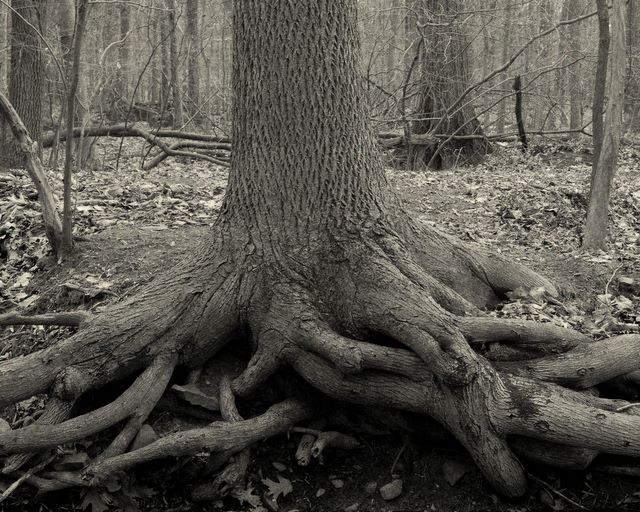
595	232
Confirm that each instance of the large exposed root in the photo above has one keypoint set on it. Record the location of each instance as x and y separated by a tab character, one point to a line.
216	437
375	324
39	436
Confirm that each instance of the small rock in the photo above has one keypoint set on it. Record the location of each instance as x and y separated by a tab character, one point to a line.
71	462
4	425
146	435
391	490
370	488
352	508
453	471
279	466
320	493
337	483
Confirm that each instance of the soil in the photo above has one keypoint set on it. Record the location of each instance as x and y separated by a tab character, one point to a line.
529	207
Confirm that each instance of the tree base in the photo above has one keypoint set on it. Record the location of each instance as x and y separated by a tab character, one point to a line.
374	316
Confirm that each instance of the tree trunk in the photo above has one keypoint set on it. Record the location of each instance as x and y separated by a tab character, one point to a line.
445	76
313	265
176	92
122	83
600	82
66	23
575	89
193	72
4	43
506	47
595	232
26	74
632	92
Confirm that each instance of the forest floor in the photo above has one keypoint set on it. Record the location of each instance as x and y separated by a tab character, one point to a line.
134	224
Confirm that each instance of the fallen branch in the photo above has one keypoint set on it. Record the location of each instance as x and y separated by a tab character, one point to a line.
29	147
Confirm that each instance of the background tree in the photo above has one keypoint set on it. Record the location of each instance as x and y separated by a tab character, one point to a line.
26	75
596	228
445	75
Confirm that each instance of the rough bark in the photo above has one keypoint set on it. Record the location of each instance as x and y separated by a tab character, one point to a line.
26	75
596	228
314	265
445	76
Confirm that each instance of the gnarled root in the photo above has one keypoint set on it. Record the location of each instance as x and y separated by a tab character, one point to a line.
371	322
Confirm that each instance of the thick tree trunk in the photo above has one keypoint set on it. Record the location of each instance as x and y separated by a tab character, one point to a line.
26	74
313	264
445	75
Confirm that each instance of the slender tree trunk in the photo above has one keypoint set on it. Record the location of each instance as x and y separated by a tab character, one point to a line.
600	82
124	69
176	91
26	75
445	75
632	93
506	47
560	90
4	46
393	63
66	24
595	233
193	71
575	87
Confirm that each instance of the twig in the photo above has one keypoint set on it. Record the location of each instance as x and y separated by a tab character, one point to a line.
606	288
556	492
25	476
400	452
628	406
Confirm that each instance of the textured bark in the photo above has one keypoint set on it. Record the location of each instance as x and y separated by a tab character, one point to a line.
445	76
596	228
26	75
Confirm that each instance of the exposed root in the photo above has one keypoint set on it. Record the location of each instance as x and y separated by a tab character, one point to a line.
232	476
70	319
216	437
585	365
145	405
38	436
56	411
